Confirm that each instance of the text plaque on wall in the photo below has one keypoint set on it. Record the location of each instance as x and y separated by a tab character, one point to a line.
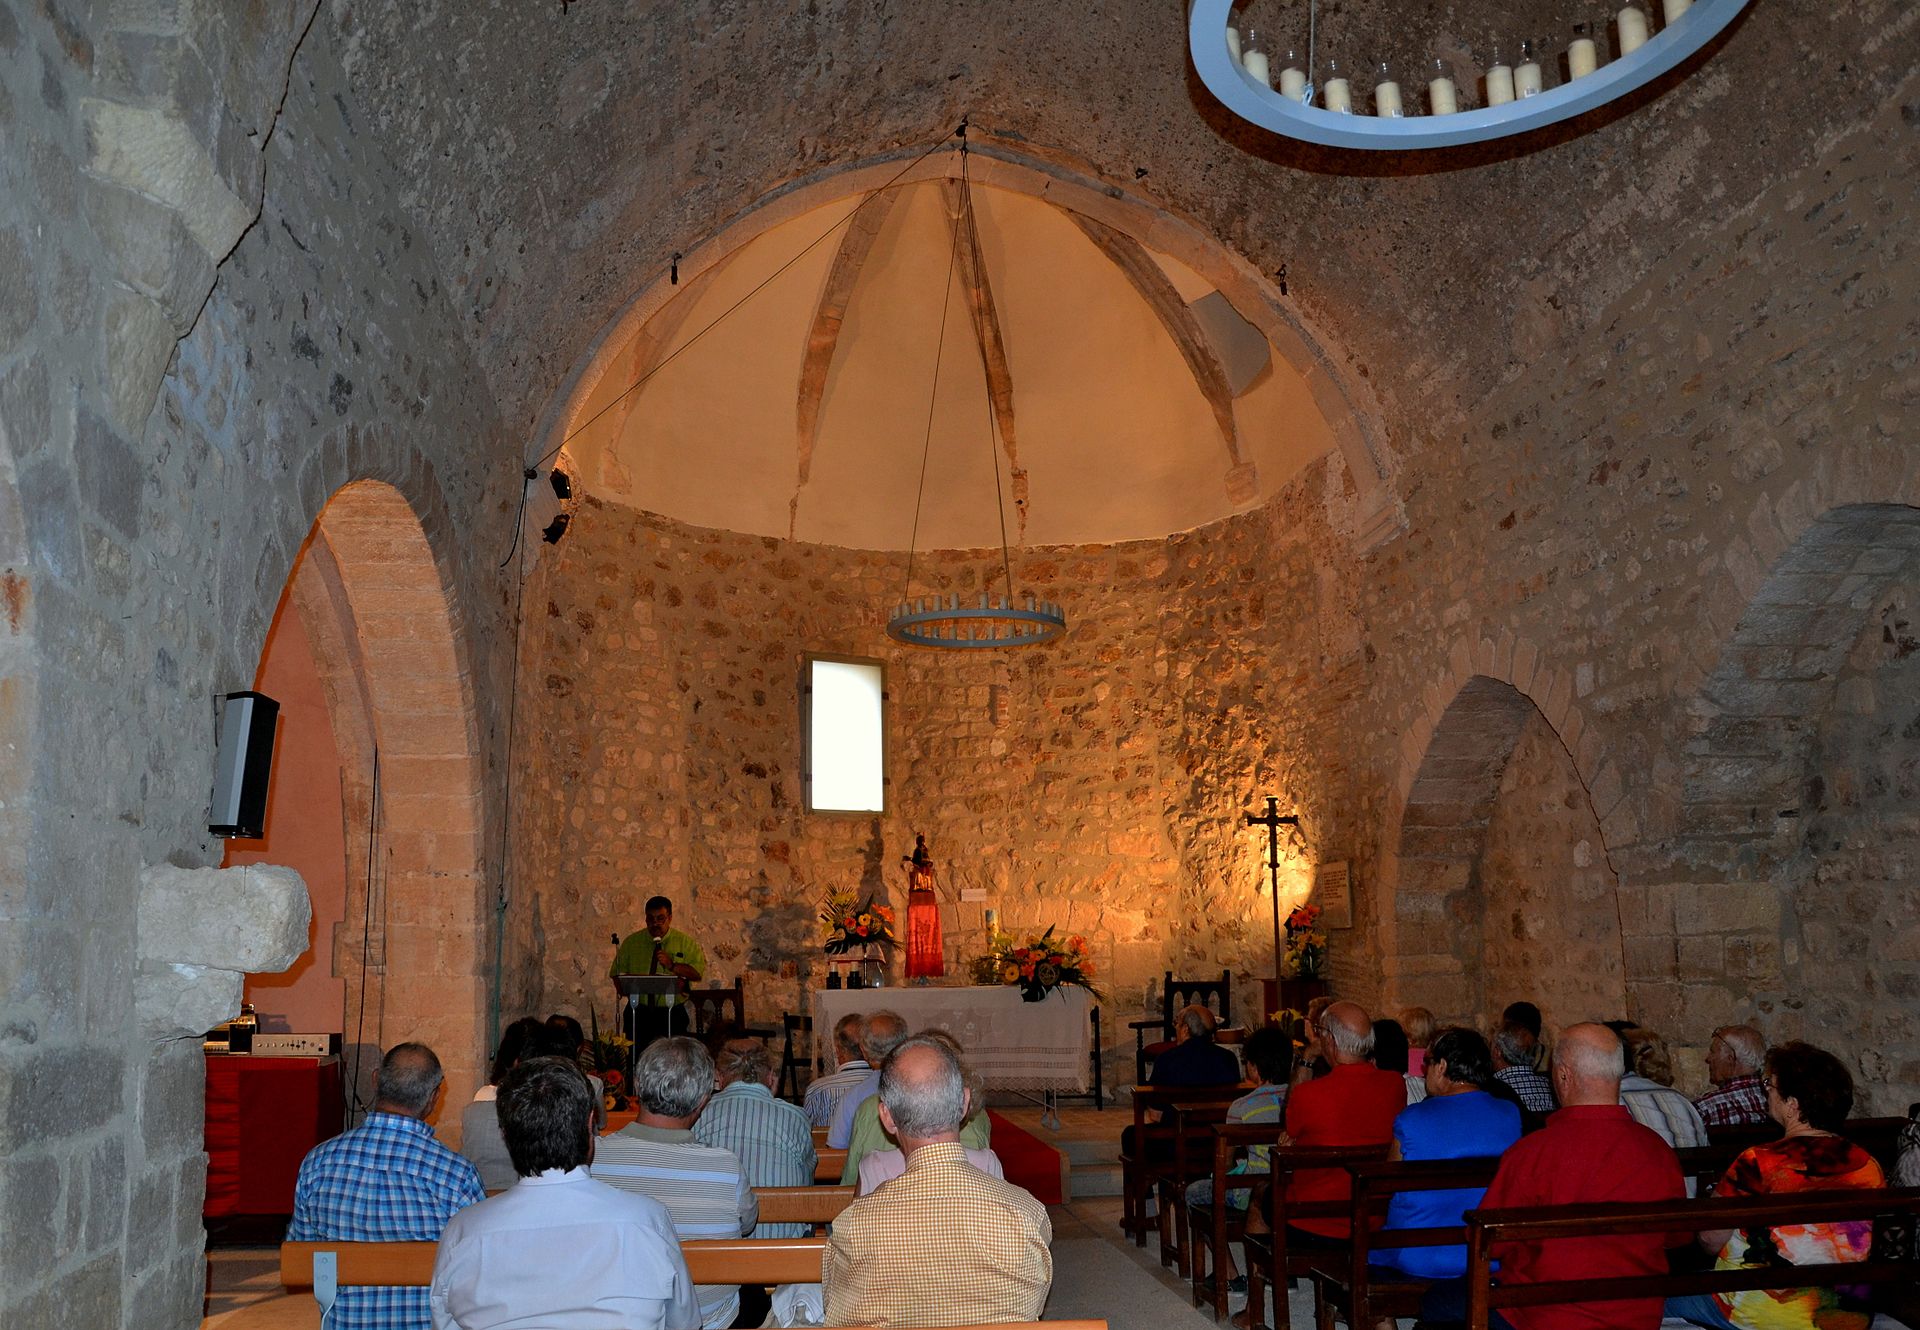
1333	893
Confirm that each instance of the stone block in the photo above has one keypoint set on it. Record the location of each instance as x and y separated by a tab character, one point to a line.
109	475
172	1088
178	1001
19	289
87	1296
249	919
51	1093
138	341
155	153
156	254
1729	908
29	1185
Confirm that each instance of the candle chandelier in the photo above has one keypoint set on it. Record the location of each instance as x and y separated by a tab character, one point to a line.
1291	90
997	620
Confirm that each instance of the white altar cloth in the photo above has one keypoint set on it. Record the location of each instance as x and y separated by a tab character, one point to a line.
1013	1044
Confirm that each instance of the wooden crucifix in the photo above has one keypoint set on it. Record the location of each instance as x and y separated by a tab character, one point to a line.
1273	820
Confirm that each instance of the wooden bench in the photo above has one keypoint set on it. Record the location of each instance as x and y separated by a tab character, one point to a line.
1192	1127
817	1205
1894	1259
832	1164
1207	1229
1349	1289
721	1261
1271	1259
1154	1143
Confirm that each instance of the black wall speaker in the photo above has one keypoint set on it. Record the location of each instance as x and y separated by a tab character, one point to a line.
244	765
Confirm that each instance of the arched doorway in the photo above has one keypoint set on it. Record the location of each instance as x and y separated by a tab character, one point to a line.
408	945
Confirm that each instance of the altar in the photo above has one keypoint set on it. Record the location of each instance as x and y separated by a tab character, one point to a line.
1043	1046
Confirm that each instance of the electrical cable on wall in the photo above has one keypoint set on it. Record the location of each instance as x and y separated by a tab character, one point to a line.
366	933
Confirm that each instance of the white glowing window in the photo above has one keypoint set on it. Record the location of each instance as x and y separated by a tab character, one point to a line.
845	703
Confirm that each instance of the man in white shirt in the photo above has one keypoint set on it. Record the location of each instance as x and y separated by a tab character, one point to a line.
559	1250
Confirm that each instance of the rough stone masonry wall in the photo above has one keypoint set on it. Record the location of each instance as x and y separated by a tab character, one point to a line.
162	492
1096	784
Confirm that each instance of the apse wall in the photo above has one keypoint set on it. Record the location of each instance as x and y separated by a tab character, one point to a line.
1095	784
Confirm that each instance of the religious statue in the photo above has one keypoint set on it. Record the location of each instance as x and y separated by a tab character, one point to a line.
925	958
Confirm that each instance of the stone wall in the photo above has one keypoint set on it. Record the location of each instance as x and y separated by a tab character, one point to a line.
214	318
1096	784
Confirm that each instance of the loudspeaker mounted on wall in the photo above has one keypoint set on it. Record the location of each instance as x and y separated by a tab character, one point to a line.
243	765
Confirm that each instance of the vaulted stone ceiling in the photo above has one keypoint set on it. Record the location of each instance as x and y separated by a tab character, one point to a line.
786	391
559	155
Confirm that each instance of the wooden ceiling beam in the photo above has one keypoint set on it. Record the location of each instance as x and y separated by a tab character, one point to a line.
1163	298
987	336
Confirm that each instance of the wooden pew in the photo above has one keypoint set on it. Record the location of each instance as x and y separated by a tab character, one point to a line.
1270	1257
724	1261
817	1205
1207	1229
1154	1143
1895	1258
1346	1289
832	1164
1192	1127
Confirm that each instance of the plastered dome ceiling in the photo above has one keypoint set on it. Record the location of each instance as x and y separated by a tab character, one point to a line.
1129	398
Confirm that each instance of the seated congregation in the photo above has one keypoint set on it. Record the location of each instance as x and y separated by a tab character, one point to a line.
1407	1171
543	1221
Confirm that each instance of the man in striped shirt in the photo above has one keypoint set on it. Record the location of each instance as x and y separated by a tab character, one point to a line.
771	1138
850	1068
704	1188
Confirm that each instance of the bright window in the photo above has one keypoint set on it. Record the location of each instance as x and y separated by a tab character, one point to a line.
845	704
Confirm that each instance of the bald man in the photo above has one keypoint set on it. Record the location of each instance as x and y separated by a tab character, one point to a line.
943	1243
1734	1060
1590	1150
1355	1103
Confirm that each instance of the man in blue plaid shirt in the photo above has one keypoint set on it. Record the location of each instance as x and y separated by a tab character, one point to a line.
388	1180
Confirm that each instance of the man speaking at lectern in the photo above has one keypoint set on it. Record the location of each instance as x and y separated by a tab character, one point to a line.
660	948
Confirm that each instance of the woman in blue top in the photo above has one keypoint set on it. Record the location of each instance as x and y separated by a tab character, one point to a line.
1457	1120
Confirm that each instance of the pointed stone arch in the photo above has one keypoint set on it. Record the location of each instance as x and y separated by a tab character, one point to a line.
383	628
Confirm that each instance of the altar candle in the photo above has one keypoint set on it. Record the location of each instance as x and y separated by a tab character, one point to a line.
1293	82
1337	96
1526	74
1673	9
1633	29
1583	57
1386	92
1499	84
1258	67
1233	43
1442	97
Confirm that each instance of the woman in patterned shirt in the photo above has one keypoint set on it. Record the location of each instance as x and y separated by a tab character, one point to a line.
1809	1094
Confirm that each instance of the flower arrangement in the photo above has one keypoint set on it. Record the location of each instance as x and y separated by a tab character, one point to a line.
610	1051
1306	948
1039	967
850	924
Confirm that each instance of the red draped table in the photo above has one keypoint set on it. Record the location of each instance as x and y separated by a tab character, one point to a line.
263	1115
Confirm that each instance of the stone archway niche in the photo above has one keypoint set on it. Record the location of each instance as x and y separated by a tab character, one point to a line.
382	628
1500	888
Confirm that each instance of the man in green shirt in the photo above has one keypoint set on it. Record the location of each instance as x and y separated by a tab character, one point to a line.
660	948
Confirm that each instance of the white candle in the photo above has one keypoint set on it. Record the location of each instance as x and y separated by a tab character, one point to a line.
1673	9
1499	85
1338	96
1526	78
1233	43
1257	67
1441	96
1633	29
1583	57
1386	99
1293	83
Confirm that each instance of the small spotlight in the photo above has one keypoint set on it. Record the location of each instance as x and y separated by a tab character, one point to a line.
562	483
555	529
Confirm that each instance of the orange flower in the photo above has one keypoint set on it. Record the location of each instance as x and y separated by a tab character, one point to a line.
1026	970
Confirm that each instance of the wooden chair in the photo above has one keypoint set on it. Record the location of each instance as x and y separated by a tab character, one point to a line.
717	1011
818	1205
1216	994
1348	1289
1893	1260
1192	1125
1206	1230
1153	1142
795	1067
1271	1259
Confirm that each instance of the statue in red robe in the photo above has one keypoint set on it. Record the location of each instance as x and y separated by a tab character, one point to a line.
925	955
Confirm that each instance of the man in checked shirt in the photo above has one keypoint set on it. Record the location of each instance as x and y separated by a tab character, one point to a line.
387	1180
943	1243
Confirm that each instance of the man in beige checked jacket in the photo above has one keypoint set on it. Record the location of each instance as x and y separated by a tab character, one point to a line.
944	1243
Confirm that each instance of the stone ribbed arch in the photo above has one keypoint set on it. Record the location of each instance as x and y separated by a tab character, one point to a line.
1755	718
1453	753
1370	515
386	638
